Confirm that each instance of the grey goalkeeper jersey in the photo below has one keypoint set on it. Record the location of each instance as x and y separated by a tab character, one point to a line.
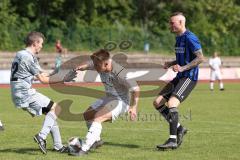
24	67
116	82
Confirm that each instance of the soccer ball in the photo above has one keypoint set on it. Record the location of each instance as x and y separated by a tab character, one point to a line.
74	144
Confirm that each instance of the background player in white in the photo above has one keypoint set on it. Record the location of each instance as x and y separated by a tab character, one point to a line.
215	73
122	95
25	68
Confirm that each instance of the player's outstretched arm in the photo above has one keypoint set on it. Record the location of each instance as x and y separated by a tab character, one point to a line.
45	79
88	65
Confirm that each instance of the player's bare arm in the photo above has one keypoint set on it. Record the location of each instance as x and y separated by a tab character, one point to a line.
199	59
134	103
168	64
46	79
84	66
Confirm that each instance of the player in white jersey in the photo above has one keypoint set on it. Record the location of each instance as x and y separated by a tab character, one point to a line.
122	95
215	73
25	68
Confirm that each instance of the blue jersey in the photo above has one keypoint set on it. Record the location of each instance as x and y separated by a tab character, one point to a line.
186	45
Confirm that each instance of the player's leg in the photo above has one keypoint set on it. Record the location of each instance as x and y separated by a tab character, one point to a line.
89	115
212	79
160	102
40	104
219	78
182	90
57	140
109	110
94	131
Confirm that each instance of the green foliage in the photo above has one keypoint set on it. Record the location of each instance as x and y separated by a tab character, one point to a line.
89	24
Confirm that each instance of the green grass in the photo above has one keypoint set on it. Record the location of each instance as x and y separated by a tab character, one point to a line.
212	118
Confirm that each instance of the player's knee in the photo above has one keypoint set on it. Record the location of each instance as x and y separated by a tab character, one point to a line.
158	101
102	117
99	119
155	103
89	114
173	102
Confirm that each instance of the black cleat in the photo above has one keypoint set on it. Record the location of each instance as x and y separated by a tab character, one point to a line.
97	144
222	89
64	149
169	144
41	143
180	134
79	153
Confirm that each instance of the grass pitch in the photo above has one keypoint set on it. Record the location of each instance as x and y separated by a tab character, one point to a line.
211	117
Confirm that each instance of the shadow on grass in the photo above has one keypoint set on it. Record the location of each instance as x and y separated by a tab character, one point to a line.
121	145
30	151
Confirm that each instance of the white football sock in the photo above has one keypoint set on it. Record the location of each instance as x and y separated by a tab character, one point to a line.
88	124
211	85
93	134
178	125
221	85
56	136
47	124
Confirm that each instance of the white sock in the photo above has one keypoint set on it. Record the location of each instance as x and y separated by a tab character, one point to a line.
89	124
1	123
47	124
93	134
56	136
221	85
178	125
173	136
211	85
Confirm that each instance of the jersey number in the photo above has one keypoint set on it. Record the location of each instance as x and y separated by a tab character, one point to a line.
14	70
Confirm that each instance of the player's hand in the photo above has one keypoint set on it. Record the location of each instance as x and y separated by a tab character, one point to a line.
80	68
132	111
70	76
45	74
177	68
166	65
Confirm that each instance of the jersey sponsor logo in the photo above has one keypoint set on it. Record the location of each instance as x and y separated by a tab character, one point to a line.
179	50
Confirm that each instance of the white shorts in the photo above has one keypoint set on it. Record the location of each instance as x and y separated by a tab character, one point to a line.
215	75
35	104
116	106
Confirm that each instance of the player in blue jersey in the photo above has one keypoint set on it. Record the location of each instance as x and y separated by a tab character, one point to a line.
25	68
189	55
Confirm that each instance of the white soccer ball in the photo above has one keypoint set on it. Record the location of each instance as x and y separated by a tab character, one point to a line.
74	144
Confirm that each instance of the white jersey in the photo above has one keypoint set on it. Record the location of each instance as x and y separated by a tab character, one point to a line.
116	83
24	67
215	63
